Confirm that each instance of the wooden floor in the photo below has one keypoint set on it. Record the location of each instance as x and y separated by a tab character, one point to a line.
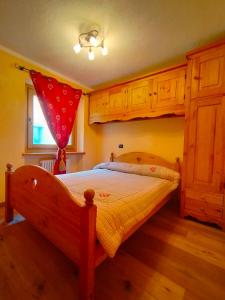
167	259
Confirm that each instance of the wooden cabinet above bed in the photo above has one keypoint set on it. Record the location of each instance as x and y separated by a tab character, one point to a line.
139	98
168	91
99	105
155	95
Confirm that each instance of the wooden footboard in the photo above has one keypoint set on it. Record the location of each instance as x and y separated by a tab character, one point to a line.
49	206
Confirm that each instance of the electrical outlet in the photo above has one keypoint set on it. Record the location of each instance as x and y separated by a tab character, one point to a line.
120	146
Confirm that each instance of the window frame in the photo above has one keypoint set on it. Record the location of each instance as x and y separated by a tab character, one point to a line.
39	147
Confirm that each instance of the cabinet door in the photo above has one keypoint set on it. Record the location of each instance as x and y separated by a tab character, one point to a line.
99	106
139	98
168	89
208	73
117	100
205	151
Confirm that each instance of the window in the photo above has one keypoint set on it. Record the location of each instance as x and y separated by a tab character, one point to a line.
39	135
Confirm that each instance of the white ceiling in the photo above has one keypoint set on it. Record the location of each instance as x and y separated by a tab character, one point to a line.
141	34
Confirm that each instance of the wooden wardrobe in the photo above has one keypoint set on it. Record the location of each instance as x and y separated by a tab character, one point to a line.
204	149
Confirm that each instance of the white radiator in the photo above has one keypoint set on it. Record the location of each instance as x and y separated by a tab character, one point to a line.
48	164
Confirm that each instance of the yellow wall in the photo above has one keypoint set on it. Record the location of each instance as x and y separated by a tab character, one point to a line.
163	137
13	114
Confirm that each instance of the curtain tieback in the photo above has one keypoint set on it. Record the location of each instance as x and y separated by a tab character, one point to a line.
61	158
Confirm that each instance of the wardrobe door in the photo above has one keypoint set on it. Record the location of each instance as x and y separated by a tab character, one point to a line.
208	73
204	191
205	151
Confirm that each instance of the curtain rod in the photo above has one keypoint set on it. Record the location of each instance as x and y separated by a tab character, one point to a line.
22	68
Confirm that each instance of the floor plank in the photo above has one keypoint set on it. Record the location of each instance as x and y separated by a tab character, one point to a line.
167	259
177	241
204	280
131	279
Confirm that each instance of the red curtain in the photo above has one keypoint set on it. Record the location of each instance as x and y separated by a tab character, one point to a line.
59	104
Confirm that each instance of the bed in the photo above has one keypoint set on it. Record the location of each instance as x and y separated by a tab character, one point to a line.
88	214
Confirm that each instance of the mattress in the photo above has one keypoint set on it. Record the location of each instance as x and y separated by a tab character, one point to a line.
122	200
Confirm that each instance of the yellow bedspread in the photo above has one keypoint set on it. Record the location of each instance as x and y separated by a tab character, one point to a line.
122	200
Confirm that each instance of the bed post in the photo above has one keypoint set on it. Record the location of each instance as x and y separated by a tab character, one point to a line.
111	156
178	166
87	247
178	169
8	207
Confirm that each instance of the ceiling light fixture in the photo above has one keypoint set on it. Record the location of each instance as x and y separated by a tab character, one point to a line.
91	55
104	49
90	40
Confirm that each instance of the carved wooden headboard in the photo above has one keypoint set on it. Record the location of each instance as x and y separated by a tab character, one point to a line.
145	158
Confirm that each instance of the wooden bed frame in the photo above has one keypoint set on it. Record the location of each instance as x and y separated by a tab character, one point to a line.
48	205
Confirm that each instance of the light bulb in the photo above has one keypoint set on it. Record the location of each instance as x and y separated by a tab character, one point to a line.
104	50
77	48
93	41
91	55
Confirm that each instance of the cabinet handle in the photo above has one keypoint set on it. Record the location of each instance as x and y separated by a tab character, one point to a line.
197	77
155	93
150	94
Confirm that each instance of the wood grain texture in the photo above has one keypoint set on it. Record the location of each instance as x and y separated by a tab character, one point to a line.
49	206
167	259
139	98
145	158
8	205
153	96
88	247
168	90
208	73
203	179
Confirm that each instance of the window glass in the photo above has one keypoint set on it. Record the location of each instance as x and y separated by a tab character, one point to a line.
41	132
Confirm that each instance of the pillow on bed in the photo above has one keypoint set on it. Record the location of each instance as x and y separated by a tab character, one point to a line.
141	169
